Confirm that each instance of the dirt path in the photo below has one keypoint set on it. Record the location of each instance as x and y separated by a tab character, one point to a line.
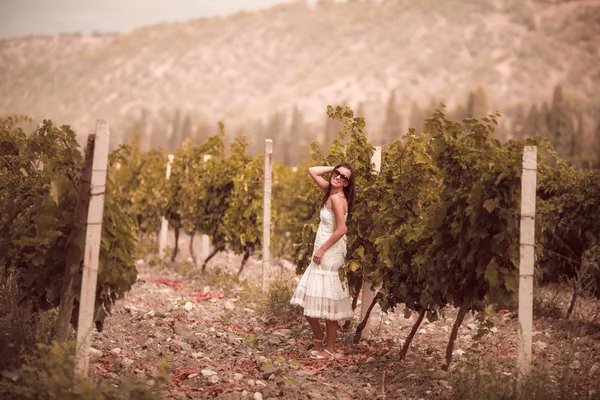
219	346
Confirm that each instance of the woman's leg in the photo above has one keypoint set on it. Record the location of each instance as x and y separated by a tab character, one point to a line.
317	331
331	335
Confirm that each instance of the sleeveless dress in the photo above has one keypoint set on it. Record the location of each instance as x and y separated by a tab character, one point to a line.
320	290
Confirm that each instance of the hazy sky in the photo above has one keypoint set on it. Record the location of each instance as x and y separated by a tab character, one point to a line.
24	17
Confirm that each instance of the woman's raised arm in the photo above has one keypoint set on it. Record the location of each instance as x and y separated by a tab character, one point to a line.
316	173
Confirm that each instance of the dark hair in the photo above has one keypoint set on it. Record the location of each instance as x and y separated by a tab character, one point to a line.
348	189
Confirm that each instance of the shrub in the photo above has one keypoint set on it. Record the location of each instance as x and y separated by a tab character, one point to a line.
488	379
20	327
276	301
220	279
48	374
272	303
547	306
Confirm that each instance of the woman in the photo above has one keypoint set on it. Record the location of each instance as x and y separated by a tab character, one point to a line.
320	292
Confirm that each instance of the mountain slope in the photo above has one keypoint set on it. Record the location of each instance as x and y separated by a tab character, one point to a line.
248	65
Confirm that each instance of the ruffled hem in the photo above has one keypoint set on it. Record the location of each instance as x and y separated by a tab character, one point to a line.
322	294
324	312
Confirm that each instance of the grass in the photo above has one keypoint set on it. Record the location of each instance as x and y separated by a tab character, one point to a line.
274	303
33	367
547	303
21	327
219	279
488	379
47	373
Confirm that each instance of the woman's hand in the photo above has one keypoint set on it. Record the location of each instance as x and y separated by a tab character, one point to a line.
316	173
318	257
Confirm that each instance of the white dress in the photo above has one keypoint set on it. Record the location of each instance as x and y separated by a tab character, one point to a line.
320	290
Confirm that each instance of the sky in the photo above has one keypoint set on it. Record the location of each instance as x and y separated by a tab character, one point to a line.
26	17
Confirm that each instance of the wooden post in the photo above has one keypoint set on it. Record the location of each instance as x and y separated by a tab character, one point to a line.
39	164
164	224
74	252
527	243
204	239
367	294
376	159
92	249
267	212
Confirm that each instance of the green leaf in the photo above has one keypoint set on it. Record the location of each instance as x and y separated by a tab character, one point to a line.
360	252
489	205
511	282
491	273
266	366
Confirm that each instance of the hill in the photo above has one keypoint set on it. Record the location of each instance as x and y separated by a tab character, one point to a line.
249	65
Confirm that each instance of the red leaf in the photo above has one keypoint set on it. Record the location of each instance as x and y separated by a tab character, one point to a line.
169	282
212	294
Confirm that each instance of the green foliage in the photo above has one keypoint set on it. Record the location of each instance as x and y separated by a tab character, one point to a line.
116	270
210	191
147	198
39	175
48	374
489	379
244	216
216	187
190	174
173	188
569	237
20	327
473	229
289	185
141	181
199	190
407	185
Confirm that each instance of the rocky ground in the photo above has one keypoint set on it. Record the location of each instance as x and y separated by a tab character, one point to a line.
220	341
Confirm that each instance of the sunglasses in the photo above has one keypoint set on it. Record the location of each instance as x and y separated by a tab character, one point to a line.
342	176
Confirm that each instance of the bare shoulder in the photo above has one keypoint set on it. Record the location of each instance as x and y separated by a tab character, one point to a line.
338	201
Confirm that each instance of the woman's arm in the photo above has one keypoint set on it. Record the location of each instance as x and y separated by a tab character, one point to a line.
316	173
337	205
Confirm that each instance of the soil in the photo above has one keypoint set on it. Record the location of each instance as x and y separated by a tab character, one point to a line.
219	344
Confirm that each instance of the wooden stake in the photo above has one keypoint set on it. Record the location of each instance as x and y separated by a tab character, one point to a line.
367	293
267	212
92	248
164	224
527	243
39	165
204	239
